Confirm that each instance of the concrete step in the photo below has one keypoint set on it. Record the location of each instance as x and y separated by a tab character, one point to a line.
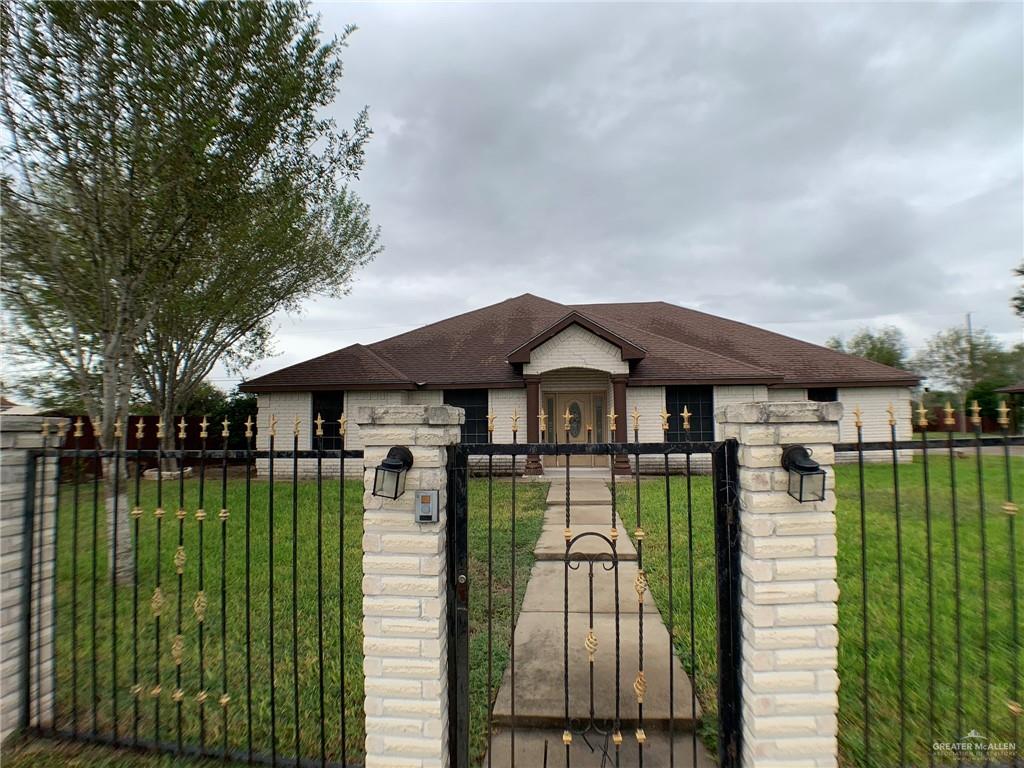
595	750
539	673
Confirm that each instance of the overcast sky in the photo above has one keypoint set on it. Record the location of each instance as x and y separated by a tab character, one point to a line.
809	168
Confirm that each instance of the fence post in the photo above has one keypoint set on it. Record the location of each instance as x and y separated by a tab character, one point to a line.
789	615
405	623
27	540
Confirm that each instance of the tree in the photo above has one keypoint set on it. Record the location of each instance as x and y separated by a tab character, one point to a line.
1018	298
887	345
968	363
139	136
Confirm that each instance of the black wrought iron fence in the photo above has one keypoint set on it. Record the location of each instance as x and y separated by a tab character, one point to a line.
930	623
227	623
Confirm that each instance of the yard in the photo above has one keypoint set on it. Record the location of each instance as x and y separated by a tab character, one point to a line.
882	586
93	637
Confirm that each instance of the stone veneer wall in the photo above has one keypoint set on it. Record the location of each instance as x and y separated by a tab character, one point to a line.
17	434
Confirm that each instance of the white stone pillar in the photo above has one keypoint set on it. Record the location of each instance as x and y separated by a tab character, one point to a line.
405	591
789	591
19	434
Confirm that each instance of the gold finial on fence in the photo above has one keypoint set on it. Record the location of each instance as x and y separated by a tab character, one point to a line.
566	419
79	431
949	410
226	431
515	420
857	421
117	427
612	416
975	414
295	427
891	410
567	738
641	736
617	738
181	428
203	434
140	429
1016	710
248	425
664	420
319	421
490	422
1004	414
635	416
922	415
160	428
342	424
686	418
45	431
273	425
542	421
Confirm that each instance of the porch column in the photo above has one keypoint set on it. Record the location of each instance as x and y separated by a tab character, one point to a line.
533	463
620	464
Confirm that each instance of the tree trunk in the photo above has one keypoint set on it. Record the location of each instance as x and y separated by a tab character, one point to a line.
120	556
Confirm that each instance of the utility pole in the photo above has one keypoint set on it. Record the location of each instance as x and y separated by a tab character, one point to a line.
973	372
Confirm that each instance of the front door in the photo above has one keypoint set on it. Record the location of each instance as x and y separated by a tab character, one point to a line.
583	426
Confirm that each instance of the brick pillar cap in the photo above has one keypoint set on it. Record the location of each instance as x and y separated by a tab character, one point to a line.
433	415
779	412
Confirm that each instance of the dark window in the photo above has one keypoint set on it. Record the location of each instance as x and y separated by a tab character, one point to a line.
823	394
700	402
474	401
328	406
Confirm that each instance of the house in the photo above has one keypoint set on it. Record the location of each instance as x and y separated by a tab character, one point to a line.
538	358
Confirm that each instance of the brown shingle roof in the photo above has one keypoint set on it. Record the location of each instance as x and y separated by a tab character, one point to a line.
677	345
1013	389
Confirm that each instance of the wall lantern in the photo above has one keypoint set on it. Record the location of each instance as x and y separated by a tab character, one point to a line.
389	479
806	477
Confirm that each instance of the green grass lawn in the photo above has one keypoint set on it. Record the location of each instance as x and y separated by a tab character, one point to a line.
98	713
883	621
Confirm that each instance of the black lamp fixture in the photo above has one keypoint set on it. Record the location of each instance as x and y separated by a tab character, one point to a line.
806	477
389	478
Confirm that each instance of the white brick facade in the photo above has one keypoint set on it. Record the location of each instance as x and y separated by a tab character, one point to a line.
576	347
405	654
788	590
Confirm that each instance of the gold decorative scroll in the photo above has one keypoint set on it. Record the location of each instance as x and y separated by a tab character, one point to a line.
640	686
178	695
568	535
199	606
1010	508
178	649
223	515
155	692
591	644
156	603
614	533
179	560
136	512
158	512
640	585
136	690
224	700
201	697
181	514
640	534
200	514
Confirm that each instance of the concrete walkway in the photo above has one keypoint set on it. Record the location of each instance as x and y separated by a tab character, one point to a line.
539	715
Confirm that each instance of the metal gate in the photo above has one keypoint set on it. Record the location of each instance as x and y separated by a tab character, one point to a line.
596	659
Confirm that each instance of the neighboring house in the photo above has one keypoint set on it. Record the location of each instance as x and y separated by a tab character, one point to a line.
529	355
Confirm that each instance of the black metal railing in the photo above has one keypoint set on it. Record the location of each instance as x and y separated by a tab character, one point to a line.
629	707
227	624
930	626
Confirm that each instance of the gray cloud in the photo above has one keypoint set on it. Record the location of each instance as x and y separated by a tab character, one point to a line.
807	167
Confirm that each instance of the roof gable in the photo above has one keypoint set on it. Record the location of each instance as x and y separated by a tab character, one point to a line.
628	349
